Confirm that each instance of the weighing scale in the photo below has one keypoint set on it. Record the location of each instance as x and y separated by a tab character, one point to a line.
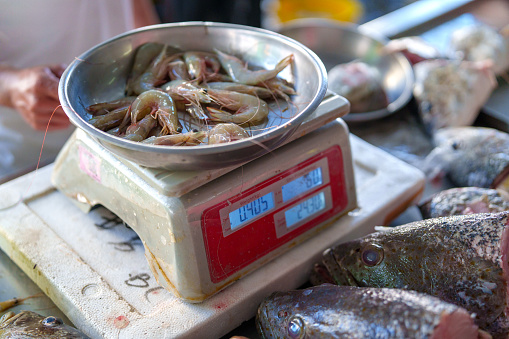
204	230
94	268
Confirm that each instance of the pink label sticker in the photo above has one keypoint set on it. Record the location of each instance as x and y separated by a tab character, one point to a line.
90	164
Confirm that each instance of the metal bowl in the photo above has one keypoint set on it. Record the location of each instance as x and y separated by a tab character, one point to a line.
100	75
336	43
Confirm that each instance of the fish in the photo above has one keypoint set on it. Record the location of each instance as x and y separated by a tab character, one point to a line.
464	200
450	93
331	311
28	324
470	156
479	42
459	259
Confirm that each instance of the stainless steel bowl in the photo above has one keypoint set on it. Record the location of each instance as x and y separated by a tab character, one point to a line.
100	75
336	43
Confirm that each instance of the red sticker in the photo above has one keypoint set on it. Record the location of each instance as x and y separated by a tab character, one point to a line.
90	164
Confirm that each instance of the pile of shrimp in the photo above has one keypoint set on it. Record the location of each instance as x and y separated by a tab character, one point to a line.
178	98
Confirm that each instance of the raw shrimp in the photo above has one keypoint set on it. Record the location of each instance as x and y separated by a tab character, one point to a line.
238	71
153	76
260	92
140	130
197	64
142	59
249	109
177	70
159	105
280	88
109	120
222	133
185	90
184	139
106	107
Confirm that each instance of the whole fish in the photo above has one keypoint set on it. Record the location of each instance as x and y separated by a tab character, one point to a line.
464	200
329	311
451	93
479	42
459	259
470	156
27	324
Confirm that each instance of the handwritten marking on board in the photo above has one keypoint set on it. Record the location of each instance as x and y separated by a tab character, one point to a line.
109	222
139	280
126	246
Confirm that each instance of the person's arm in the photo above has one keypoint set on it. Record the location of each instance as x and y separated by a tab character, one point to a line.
144	13
33	92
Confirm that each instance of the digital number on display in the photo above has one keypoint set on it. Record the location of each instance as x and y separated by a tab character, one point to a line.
302	184
305	209
251	210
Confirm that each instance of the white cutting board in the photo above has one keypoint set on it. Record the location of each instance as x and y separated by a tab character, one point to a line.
94	268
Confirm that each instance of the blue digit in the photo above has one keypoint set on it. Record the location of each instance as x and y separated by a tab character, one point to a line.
265	203
257	208
242	216
298	212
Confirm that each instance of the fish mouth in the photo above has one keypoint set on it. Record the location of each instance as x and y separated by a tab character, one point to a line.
262	317
351	281
340	274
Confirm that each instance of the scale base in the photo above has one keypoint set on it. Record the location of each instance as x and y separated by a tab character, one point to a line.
186	247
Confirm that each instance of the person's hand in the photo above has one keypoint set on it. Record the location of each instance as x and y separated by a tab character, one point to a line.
33	92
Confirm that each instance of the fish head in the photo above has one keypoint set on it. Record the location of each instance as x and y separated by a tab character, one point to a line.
383	259
299	314
29	324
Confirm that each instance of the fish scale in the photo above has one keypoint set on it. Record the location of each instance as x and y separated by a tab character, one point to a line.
458	259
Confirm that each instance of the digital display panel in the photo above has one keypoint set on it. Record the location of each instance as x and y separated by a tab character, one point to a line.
251	210
305	209
302	184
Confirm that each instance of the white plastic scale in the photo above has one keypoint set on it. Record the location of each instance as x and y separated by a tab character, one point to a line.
95	269
204	230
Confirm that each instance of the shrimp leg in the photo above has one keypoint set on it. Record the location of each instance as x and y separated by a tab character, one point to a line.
237	70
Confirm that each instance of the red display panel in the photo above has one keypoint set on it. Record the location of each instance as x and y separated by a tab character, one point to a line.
231	249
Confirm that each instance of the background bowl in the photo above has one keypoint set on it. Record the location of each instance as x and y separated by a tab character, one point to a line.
336	43
100	75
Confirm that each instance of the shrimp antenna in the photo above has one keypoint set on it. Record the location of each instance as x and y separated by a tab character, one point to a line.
38	163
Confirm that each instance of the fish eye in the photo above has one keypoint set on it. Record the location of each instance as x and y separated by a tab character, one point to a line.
295	328
51	321
372	255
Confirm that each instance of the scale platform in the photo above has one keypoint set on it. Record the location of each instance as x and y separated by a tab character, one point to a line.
94	268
